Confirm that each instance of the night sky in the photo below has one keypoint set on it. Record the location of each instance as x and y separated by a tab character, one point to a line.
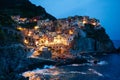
107	11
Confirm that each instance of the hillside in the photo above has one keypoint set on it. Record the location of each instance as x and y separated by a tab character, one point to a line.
24	8
64	41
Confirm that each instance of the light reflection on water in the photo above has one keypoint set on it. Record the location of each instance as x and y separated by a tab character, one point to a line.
106	69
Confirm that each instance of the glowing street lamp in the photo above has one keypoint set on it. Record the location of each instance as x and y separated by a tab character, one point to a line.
84	21
36	27
25	41
94	24
70	32
29	34
19	28
36	42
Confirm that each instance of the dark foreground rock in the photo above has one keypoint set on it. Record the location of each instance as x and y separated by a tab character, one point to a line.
76	60
32	63
11	60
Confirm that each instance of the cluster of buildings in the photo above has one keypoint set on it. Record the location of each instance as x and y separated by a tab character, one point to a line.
55	36
23	20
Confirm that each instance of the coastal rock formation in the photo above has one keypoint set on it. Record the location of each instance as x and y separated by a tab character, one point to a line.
96	40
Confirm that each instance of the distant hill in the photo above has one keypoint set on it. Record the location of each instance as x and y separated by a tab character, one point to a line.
24	8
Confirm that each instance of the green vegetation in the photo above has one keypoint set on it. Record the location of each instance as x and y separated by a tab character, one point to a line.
24	8
5	20
29	25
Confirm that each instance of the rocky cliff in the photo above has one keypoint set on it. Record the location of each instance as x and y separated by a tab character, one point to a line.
93	40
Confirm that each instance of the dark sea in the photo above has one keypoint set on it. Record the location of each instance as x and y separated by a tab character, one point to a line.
107	69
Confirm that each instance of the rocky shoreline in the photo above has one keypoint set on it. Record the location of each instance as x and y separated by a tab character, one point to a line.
14	61
57	63
40	62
